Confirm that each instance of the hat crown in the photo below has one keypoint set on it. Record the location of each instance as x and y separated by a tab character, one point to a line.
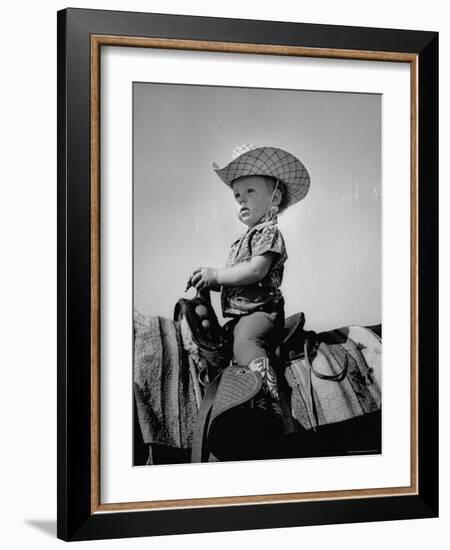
241	149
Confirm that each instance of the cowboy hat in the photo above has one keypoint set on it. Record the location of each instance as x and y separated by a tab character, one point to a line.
249	160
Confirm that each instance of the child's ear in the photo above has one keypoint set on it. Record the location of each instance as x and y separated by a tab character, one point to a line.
277	198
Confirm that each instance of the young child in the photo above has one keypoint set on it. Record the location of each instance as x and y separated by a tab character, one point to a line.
264	182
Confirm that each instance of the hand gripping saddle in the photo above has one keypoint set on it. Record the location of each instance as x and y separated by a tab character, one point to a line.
233	421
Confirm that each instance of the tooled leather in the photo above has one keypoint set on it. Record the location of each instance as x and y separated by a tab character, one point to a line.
237	386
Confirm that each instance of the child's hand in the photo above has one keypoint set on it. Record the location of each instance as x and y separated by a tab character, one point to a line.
204	277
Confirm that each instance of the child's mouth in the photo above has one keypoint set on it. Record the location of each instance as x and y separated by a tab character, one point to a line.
244	210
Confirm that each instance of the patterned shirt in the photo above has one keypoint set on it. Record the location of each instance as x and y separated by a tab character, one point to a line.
266	294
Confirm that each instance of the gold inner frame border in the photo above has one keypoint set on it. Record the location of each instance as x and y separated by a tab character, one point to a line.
97	41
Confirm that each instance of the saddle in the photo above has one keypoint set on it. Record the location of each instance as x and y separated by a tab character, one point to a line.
234	420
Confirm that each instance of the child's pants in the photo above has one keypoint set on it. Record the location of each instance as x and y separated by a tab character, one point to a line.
257	335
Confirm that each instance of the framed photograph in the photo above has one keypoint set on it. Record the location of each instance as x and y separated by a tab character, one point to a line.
247	271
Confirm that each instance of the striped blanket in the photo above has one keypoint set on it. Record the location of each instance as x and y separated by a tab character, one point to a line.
317	399
168	393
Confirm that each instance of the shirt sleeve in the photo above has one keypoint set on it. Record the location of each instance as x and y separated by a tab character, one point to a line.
268	239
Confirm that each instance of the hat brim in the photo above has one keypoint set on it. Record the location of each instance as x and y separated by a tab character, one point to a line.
273	162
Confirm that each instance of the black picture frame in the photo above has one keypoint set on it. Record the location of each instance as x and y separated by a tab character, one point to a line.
78	513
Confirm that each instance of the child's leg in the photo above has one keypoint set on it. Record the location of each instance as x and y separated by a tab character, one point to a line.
255	336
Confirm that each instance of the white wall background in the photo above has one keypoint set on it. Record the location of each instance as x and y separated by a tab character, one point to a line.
183	204
28	274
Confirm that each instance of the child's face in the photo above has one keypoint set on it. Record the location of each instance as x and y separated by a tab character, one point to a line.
252	195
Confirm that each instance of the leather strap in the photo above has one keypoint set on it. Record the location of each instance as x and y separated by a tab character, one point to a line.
199	447
312	407
337	377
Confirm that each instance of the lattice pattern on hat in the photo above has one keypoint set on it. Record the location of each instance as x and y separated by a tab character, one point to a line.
241	149
270	161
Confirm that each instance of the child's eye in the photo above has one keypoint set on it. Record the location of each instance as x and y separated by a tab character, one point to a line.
236	195
250	190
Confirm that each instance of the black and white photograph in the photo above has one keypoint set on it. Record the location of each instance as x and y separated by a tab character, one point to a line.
257	246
